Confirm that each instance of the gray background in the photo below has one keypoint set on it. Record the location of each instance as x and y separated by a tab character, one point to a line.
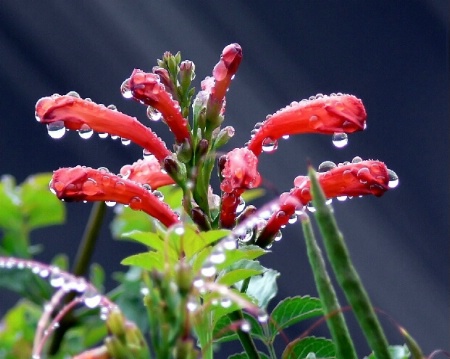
392	54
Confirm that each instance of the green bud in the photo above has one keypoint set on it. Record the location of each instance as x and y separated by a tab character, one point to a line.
116	323
184	278
187	73
224	135
185	349
115	348
184	151
175	169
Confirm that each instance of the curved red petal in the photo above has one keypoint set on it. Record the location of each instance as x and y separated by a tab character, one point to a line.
353	179
147	88
88	184
76	113
321	114
147	171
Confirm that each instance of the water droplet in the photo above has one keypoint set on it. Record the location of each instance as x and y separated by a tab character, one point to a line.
240	207
178	229
278	236
153	114
110	203
217	256
310	207
208	269
92	298
125	89
226	303
90	187
114	137
198	283
356	159
393	179
85	132
340	139
104	312
269	145
56	278
112	107
315	123
135	203
192	305
125	141
159	195
262	316
326	166
285	137
56	129
103	135
229	243
341	198
247	236
73	94
146	154
44	273
292	219
363	175
245	326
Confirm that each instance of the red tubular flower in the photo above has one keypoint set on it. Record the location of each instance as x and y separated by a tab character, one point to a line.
147	88
147	171
353	179
223	73
320	114
80	114
88	184
239	173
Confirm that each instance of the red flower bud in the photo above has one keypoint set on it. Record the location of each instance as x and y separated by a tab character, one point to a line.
88	184
353	179
147	88
239	173
79	114
320	114
147	171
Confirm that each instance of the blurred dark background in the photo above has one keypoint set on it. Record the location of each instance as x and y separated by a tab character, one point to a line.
393	55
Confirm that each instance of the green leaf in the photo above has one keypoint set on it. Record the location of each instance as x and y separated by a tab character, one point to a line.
244	355
154	241
263	287
10	215
127	220
40	206
173	196
237	275
148	260
25	283
396	352
224	331
300	348
293	310
18	329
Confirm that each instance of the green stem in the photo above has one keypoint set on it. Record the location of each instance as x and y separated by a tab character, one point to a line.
346	274
335	319
88	241
245	338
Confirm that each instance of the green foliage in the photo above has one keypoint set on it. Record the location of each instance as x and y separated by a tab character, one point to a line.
301	348
26	207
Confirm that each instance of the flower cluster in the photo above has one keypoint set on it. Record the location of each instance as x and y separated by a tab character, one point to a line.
196	125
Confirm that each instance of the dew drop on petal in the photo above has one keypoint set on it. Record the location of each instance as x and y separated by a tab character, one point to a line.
245	326
110	203
153	114
198	283
278	236
292	219
146	154
135	202
356	159
44	273
103	135
159	195
310	207
125	89
393	179
125	141
341	198
339	139
247	236
56	129
240	207
89	187
85	132
92	298
269	145
229	243
326	166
